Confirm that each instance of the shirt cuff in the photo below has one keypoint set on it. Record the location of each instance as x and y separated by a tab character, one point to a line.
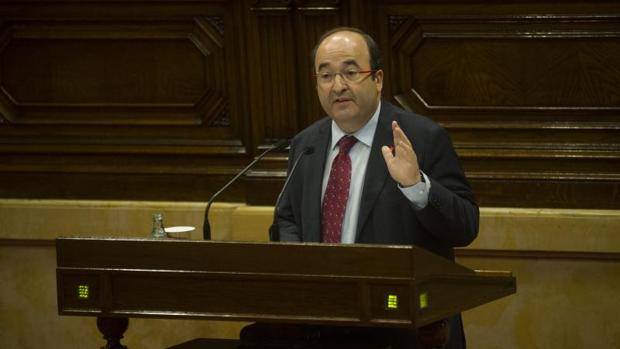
418	193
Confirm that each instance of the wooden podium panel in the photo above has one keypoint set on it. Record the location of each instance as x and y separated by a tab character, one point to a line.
365	285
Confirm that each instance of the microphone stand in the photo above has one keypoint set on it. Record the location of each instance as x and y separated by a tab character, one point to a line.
274	229
206	228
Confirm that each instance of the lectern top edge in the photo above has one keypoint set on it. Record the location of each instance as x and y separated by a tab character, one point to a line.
254	257
241	242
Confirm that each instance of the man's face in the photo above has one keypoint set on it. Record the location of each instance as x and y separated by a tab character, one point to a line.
349	104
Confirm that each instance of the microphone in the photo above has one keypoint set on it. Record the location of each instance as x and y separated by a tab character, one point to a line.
206	228
274	229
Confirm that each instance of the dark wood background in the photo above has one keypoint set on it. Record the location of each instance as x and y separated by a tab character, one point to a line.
167	100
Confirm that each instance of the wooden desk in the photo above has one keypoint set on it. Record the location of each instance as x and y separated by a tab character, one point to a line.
323	284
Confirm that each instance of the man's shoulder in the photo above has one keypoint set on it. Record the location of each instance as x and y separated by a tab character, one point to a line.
315	128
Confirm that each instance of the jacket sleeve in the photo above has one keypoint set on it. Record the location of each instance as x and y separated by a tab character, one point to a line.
451	214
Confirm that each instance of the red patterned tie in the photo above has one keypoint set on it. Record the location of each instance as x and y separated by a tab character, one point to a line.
337	192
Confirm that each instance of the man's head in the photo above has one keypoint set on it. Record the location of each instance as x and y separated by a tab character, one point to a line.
349	76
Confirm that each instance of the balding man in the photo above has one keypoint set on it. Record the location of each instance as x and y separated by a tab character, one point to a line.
378	174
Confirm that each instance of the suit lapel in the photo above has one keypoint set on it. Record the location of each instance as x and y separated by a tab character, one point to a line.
313	178
376	171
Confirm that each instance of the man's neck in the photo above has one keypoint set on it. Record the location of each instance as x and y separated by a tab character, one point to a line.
364	135
350	128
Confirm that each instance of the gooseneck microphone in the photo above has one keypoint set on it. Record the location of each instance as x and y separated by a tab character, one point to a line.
274	229
206	228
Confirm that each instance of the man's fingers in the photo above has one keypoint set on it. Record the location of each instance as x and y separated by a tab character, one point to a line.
387	153
400	136
402	162
395	134
404	147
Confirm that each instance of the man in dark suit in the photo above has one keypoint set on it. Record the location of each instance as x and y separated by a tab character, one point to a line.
399	181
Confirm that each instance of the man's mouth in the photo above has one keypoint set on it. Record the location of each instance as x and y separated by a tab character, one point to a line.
342	100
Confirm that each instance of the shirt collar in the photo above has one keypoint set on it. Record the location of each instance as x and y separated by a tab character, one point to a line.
363	135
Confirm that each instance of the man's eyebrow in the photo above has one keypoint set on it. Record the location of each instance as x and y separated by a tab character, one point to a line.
351	62
323	65
346	63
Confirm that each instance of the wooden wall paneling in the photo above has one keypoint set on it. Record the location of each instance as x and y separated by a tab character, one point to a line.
239	72
272	92
532	193
312	19
135	99
529	98
287	78
106	88
365	14
121	186
271	61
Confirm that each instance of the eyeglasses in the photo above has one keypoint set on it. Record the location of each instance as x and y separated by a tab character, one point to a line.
351	75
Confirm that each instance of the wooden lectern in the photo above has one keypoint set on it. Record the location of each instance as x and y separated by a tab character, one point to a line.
333	284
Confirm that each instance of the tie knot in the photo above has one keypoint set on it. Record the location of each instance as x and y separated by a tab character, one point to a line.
345	143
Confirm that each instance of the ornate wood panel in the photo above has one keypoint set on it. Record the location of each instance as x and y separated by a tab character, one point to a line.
528	92
120	94
168	99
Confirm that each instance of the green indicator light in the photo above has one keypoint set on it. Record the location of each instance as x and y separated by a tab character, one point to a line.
392	301
423	300
83	291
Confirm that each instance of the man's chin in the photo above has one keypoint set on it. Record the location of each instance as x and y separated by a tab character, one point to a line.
342	116
344	112
346	121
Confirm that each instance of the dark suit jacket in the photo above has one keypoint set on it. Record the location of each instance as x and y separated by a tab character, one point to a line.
386	216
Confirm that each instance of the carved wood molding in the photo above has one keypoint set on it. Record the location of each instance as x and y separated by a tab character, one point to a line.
165	183
295	5
271	5
559	137
448	64
118	79
90	78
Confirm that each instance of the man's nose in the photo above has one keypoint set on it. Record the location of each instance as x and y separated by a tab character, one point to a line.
339	83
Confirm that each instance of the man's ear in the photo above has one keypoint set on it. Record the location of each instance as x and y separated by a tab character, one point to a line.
378	77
